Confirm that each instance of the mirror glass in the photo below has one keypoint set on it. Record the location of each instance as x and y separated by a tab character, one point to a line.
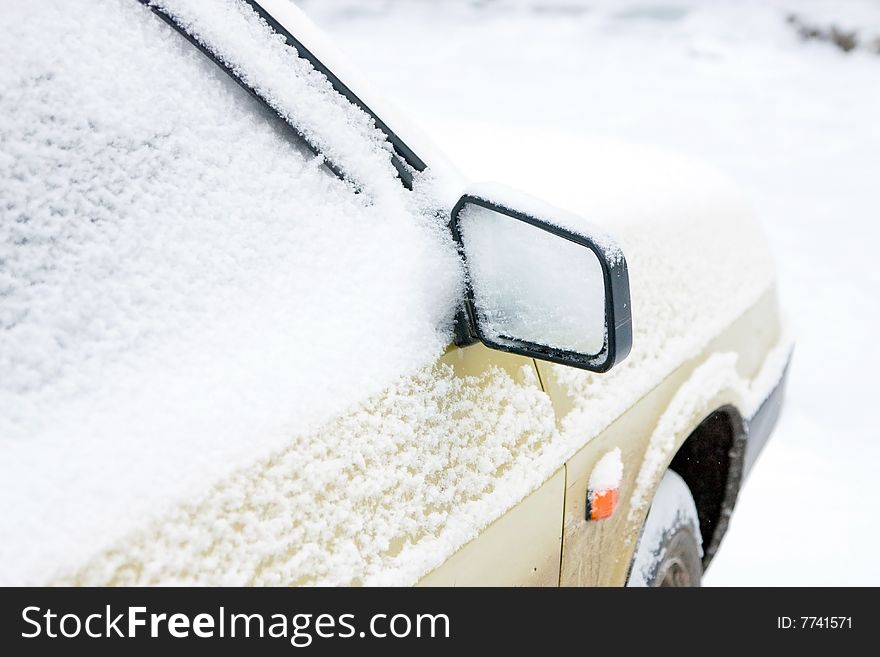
531	285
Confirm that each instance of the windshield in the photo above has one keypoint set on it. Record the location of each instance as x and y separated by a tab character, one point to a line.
233	54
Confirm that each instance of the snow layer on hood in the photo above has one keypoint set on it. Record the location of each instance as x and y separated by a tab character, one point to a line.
184	288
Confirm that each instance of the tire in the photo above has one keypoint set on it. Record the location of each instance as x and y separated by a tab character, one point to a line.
670	550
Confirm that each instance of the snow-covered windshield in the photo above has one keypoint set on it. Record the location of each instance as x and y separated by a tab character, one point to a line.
182	287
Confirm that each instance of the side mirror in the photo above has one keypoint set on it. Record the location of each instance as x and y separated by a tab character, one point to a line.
539	286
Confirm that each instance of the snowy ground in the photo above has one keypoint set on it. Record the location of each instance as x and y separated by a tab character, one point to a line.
796	123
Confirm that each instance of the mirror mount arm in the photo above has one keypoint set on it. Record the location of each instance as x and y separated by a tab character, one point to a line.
463	331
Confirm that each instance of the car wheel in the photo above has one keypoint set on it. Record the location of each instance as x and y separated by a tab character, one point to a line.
670	550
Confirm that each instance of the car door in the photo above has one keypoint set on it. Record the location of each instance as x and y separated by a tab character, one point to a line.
521	545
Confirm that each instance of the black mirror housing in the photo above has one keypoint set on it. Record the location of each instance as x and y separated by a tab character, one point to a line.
497	319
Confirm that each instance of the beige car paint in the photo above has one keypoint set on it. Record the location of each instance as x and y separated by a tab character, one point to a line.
522	547
542	540
599	553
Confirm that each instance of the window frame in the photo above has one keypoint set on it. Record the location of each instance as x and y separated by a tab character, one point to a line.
405	161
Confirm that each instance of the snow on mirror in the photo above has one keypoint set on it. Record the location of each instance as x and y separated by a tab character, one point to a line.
532	285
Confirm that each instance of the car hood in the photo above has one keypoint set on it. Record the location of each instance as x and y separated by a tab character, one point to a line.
697	256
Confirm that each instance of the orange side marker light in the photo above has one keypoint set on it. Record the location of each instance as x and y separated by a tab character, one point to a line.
601	503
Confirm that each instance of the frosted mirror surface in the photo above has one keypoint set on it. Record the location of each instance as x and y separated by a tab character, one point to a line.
532	285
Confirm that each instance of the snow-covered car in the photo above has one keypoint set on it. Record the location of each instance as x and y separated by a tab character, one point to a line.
257	330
